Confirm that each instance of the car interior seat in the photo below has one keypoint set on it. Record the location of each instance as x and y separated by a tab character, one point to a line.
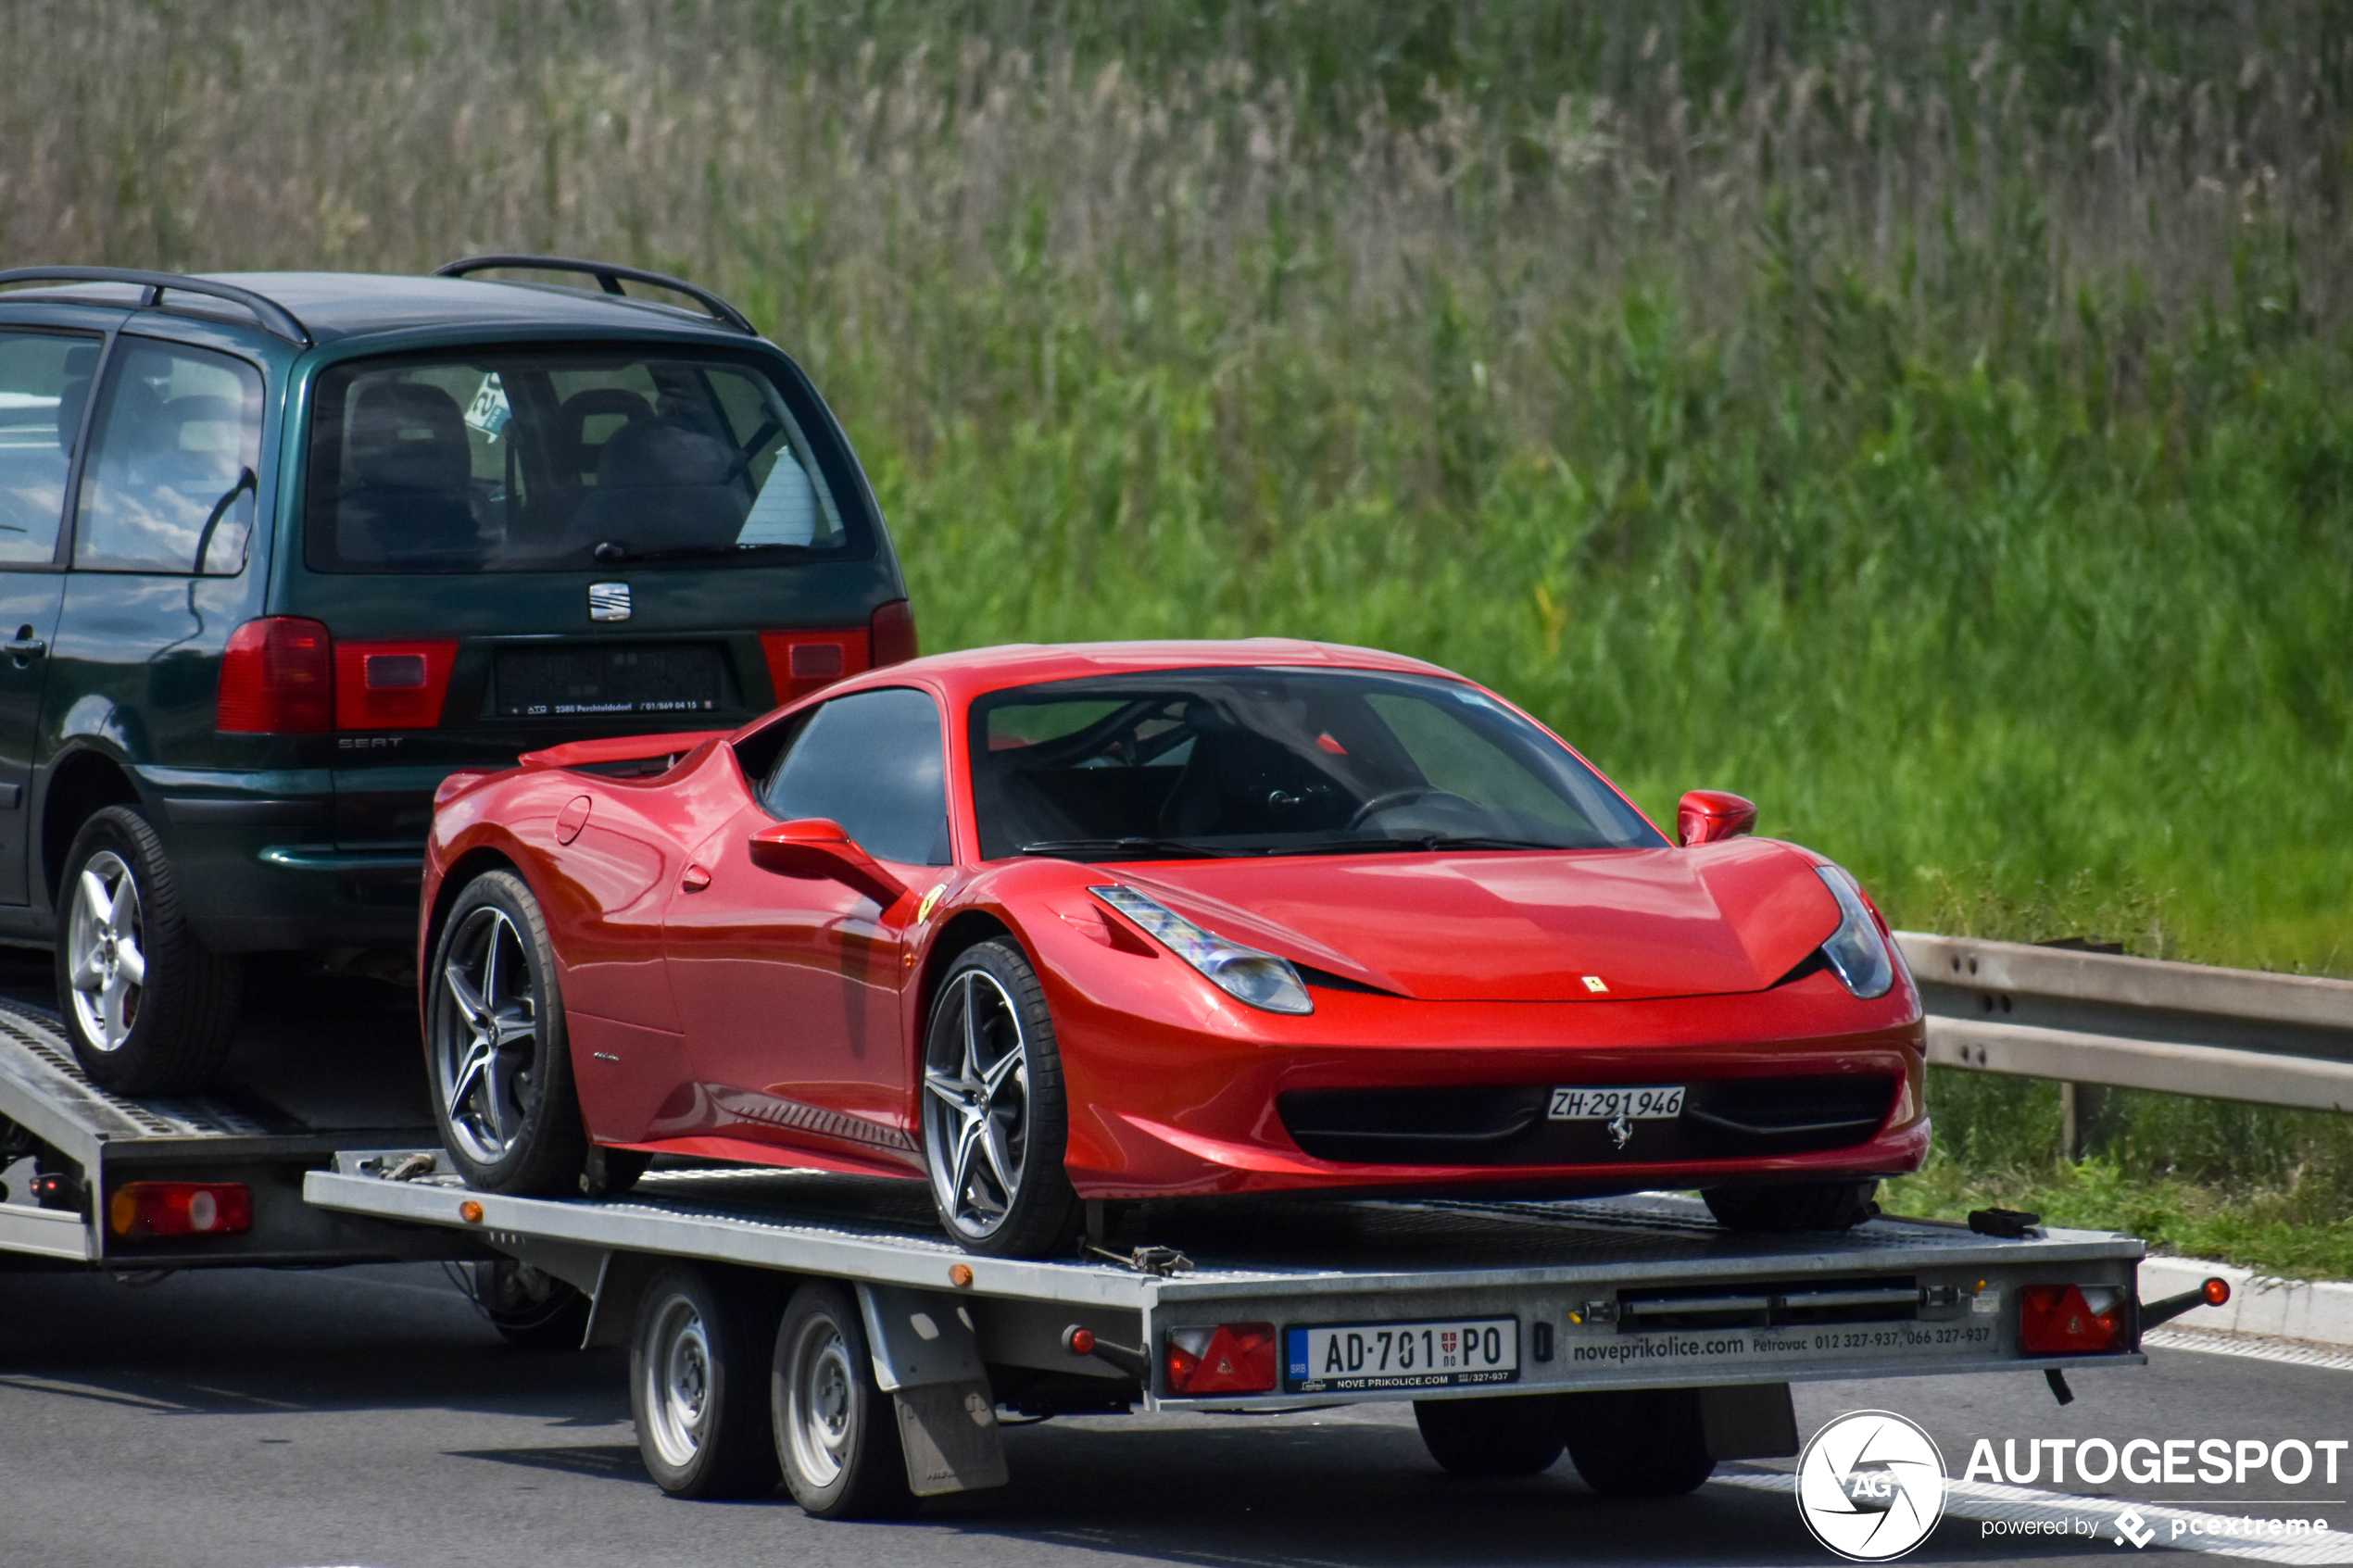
406	471
663	483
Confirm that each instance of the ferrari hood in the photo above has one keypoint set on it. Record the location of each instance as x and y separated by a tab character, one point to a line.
1522	926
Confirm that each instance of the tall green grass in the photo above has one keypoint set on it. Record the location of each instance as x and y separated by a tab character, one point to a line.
1933	425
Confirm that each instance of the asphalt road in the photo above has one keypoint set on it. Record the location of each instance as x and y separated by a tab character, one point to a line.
265	1419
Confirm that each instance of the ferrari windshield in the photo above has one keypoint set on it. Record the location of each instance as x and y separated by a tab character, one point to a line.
1278	762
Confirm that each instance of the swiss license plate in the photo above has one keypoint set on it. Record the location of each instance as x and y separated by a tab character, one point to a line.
1655	1104
1440	1353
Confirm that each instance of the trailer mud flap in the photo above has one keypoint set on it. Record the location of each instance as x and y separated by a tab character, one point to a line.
927	1357
1748	1421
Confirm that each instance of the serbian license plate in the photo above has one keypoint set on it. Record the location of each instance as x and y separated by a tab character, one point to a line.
1449	1353
1658	1104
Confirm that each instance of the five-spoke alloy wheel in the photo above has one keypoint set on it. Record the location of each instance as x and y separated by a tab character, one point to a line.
149	1011
993	1117
495	1045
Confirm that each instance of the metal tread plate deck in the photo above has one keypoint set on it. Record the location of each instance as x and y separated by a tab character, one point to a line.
44	1090
883	1232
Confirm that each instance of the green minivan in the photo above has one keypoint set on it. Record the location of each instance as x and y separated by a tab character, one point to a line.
279	551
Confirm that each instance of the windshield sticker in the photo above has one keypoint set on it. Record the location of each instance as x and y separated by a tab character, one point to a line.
490	412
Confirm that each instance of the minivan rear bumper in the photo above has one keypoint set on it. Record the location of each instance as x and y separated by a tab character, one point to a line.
261	872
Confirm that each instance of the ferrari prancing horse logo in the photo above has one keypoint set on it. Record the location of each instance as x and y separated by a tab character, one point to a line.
1595	983
1621	1130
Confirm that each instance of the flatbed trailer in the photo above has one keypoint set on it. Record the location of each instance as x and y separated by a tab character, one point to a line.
1459	1304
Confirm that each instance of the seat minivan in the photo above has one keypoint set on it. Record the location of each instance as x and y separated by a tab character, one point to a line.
281	551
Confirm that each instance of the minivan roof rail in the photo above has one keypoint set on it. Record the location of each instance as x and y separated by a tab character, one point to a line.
610	277
273	316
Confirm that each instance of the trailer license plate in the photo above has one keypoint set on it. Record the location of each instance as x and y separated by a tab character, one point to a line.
1658	1104
1446	1353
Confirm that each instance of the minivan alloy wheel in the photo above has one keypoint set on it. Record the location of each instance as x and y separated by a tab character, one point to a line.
107	964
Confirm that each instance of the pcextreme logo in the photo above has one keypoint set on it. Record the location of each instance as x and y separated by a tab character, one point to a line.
1870	1485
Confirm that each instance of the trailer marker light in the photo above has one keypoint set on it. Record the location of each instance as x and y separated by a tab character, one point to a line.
1233	1358
139	1210
2216	1292
470	1212
2069	1320
1080	1341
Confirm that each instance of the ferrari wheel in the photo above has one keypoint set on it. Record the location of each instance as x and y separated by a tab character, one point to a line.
1800	1206
495	1046
994	1120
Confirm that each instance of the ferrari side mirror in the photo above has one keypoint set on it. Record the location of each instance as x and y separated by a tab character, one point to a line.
1705	815
816	848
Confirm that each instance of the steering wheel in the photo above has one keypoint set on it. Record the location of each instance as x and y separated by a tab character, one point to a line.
1391	799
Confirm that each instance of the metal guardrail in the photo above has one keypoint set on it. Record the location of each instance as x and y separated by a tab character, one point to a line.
2136	1023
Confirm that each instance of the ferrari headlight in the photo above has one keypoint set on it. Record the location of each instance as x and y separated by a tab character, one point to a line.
1855	949
1244	973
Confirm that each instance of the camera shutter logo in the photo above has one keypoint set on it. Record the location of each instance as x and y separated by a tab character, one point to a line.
1870	1485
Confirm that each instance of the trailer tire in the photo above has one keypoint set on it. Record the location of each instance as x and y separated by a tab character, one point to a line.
531	1310
837	1432
148	1009
1798	1206
1637	1442
695	1367
1515	1435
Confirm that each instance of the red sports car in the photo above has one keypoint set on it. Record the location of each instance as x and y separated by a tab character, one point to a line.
1149	921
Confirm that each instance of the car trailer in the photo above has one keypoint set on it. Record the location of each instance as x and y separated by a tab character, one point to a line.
826	1318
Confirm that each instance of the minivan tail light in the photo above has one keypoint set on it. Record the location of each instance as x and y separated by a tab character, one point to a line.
799	662
2070	1320
392	686
1233	1358
892	633
139	1210
277	677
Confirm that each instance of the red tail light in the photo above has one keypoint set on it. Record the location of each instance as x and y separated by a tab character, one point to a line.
799	662
893	634
1233	1358
145	1209
392	686
2069	1320
277	677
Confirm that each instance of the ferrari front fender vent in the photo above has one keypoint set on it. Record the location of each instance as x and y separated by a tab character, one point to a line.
1771	1304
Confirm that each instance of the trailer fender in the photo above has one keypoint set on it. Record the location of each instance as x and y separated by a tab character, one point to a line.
927	1359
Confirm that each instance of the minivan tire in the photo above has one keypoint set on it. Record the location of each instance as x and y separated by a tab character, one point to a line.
149	1009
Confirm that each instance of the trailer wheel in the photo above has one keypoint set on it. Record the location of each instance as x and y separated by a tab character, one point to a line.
1637	1442
1517	1434
694	1384
531	1309
1800	1206
836	1430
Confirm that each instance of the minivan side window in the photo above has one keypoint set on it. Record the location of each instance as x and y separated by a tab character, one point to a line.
871	763
169	483
44	383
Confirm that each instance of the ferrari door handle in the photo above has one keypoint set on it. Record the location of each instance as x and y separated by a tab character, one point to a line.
695	880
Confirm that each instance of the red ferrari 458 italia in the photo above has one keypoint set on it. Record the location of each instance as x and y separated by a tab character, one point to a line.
1042	925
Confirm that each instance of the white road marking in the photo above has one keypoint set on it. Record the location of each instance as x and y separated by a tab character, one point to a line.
2255	1346
1987	1501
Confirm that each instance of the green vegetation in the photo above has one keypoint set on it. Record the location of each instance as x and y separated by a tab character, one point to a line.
1931	423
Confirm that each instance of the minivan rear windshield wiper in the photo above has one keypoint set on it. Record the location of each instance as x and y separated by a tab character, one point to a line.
613	553
1130	849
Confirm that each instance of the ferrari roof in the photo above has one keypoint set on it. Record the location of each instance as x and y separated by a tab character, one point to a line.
1015	664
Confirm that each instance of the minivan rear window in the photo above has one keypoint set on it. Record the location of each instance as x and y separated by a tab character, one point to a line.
535	459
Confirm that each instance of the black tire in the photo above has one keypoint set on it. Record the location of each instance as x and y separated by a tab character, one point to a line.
532	1310
1637	1442
166	1031
499	1066
1024	1105
1516	1434
696	1384
835	1432
608	1173
1798	1206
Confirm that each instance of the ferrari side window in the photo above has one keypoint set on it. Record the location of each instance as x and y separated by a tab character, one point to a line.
871	761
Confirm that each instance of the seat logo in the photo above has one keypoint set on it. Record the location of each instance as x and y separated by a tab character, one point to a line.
1870	1485
608	601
